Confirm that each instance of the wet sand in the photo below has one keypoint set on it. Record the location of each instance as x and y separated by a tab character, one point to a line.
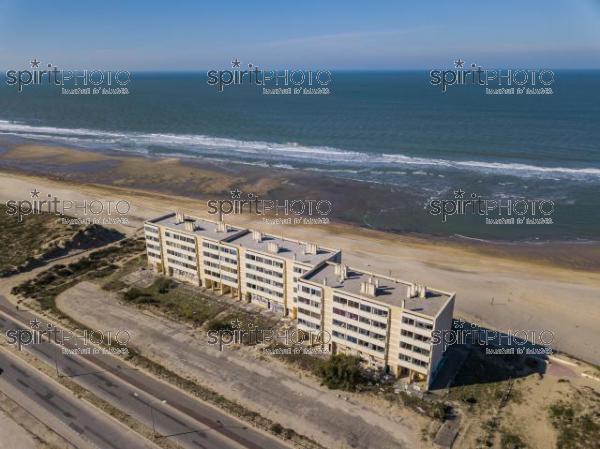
354	203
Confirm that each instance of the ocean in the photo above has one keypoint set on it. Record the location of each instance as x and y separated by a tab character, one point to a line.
387	128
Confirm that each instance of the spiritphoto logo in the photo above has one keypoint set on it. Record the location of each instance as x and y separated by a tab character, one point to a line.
272	81
287	211
77	341
72	82
497	81
513	341
93	211
238	333
496	211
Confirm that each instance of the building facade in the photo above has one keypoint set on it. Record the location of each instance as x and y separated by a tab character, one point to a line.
260	268
388	322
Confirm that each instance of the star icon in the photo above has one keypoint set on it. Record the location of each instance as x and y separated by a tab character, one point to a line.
237	193
34	324
35	193
236	324
459	63
459	324
35	63
235	63
460	193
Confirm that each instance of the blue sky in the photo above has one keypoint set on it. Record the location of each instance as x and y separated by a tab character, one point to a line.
198	35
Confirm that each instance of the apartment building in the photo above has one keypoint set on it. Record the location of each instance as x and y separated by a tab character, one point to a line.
194	250
270	267
249	265
387	322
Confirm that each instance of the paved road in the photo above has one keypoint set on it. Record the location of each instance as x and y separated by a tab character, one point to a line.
20	379
190	422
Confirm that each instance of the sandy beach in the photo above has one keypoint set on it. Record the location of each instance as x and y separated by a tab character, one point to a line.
552	287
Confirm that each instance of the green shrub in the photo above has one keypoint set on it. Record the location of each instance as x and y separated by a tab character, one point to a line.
342	372
164	285
277	428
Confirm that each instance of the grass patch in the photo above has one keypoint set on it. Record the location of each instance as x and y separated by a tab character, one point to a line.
185	303
23	241
577	423
434	409
481	381
510	440
46	286
174	300
341	372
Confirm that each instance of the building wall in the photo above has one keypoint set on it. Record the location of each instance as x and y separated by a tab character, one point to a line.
384	335
263	278
406	345
443	323
179	255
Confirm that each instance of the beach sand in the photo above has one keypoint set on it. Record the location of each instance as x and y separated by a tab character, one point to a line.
553	286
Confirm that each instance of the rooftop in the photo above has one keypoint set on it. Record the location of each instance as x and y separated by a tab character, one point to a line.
390	291
286	248
202	227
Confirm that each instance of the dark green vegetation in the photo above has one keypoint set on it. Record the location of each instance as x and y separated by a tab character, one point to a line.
577	421
509	440
342	372
337	372
39	238
183	302
23	241
46	286
432	408
484	381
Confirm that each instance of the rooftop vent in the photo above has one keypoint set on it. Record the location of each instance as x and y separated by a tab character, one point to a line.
416	290
341	271
310	248
257	236
368	288
189	225
273	247
179	217
411	292
221	227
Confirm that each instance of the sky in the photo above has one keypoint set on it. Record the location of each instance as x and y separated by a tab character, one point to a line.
325	34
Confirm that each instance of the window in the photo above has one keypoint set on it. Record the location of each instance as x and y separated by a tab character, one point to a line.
339	300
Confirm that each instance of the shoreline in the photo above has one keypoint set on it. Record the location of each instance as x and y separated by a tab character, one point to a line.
368	204
204	181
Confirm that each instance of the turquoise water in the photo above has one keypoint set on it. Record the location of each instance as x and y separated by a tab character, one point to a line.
378	127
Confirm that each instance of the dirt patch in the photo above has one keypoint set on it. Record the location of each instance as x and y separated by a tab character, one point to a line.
294	400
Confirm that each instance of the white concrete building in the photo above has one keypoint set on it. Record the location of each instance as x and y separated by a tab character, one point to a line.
387	322
249	265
